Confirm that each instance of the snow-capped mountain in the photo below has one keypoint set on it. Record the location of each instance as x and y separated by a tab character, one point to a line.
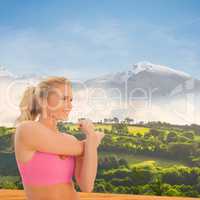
143	76
140	68
150	92
158	69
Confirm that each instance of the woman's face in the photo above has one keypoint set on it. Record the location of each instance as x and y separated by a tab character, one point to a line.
60	101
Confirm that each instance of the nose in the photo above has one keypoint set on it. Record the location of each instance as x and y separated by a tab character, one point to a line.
68	106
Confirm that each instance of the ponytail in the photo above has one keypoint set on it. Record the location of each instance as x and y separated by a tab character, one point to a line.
28	106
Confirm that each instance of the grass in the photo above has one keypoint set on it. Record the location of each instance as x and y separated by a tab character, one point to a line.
138	159
137	129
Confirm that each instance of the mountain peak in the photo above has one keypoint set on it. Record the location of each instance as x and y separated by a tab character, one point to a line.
155	68
142	66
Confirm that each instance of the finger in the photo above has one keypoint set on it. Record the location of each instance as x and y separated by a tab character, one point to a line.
79	125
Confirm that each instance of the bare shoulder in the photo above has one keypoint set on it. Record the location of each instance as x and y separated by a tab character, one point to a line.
25	127
25	124
22	129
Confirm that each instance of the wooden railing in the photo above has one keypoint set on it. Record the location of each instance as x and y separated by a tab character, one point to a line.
20	195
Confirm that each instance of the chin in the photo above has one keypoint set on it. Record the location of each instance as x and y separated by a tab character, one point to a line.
66	116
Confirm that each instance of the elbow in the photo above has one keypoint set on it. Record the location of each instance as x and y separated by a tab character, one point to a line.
89	189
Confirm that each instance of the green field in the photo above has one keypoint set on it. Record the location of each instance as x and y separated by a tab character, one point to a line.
136	129
140	159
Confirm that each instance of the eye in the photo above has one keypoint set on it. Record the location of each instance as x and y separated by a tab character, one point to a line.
64	98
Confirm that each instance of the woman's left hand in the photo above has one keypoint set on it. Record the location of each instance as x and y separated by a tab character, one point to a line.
100	136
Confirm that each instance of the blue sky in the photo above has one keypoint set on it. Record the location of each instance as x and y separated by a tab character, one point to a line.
85	39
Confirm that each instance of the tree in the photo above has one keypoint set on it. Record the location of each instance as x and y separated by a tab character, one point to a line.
172	137
128	120
181	150
120	129
155	132
115	120
189	134
124	162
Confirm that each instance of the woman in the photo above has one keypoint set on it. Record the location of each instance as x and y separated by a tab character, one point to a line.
46	158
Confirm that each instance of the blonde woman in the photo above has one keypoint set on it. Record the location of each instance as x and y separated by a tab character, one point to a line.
46	158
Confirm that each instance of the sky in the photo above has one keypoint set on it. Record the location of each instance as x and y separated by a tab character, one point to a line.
85	39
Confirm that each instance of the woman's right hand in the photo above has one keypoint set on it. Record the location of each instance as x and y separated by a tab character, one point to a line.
86	126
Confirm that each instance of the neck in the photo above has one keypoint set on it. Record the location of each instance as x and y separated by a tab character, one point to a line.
49	122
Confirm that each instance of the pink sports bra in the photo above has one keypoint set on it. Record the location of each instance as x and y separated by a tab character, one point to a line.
46	169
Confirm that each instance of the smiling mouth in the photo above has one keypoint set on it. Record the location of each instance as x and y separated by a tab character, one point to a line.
66	110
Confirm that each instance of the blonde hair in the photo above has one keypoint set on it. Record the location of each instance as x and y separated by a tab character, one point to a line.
30	105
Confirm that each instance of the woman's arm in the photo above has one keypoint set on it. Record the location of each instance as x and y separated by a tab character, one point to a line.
37	137
86	165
